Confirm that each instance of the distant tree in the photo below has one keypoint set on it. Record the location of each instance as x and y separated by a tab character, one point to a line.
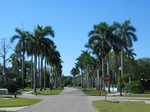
4	49
74	71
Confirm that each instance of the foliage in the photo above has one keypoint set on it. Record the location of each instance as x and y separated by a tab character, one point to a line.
12	87
65	80
125	78
135	87
108	106
143	66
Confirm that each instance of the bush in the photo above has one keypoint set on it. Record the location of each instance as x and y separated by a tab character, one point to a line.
135	87
12	87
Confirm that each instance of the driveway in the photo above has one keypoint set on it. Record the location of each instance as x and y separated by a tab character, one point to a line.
70	100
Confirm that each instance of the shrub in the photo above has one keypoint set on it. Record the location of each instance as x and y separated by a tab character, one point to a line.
135	87
12	87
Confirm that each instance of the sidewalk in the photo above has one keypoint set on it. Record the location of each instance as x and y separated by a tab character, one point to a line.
12	108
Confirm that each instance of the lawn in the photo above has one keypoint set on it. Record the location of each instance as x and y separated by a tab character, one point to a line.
93	92
108	106
15	102
138	95
8	101
48	92
43	92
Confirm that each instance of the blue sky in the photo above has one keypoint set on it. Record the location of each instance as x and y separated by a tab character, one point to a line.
73	19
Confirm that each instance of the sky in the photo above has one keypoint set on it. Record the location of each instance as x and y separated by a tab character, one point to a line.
72	20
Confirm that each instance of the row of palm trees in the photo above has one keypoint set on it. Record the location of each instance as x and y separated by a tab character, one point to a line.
103	39
41	48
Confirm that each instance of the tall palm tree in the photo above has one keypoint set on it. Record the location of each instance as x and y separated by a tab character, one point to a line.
44	44
21	36
101	38
126	32
82	65
38	45
31	48
84	61
54	60
130	53
74	71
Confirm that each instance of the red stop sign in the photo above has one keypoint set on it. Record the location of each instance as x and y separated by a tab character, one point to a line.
106	78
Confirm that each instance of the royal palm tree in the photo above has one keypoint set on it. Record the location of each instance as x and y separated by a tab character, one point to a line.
100	41
31	48
84	61
38	45
43	44
126	33
21	36
54	60
81	63
74	71
130	53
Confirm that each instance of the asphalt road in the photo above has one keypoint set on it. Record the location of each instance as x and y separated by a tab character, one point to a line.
70	100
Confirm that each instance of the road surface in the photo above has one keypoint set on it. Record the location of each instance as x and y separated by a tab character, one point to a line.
70	100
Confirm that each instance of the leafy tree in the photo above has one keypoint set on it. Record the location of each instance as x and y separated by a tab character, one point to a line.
12	87
135	87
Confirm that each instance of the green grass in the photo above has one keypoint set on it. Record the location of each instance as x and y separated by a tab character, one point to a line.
93	92
25	90
43	92
48	92
108	106
138	95
17	102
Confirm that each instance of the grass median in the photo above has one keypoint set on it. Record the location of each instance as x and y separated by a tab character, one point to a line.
17	102
109	106
10	101
43	92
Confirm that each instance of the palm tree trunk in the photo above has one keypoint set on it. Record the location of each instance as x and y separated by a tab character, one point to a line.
87	78
81	79
122	62
103	87
45	75
98	80
108	72
116	69
31	71
35	63
38	84
23	71
41	72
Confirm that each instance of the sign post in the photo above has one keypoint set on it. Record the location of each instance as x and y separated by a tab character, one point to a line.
106	78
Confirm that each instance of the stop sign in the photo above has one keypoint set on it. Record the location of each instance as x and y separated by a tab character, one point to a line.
106	78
